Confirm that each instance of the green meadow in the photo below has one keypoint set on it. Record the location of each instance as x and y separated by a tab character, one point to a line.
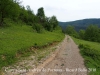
17	40
91	54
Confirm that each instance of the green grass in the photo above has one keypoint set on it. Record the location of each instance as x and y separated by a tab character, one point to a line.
16	40
93	45
91	54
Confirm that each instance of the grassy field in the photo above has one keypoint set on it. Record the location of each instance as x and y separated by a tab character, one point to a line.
91	53
15	41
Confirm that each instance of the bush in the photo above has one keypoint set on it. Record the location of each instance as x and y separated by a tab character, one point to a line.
92	33
92	56
88	51
37	27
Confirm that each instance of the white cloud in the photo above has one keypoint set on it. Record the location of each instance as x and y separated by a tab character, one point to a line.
67	10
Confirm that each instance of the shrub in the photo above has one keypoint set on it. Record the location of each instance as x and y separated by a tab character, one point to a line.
92	56
37	27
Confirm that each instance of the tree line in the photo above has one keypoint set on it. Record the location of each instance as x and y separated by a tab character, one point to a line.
92	33
13	10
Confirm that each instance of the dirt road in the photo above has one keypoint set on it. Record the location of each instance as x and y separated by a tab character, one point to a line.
67	61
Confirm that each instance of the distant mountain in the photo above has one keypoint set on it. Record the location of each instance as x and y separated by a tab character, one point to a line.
80	24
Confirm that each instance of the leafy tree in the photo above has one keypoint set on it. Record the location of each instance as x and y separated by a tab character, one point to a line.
8	9
47	25
54	22
92	33
70	30
15	12
31	16
50	23
81	34
99	36
23	15
40	14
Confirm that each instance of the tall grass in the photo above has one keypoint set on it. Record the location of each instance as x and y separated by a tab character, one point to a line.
16	40
91	53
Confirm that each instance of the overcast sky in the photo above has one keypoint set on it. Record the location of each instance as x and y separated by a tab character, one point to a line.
66	10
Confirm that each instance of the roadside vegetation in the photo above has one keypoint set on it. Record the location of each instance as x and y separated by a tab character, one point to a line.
91	53
16	41
88	42
21	30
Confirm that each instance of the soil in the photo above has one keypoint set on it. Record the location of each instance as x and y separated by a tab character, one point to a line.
66	60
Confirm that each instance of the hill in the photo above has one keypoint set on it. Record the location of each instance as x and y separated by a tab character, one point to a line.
22	31
80	24
16	41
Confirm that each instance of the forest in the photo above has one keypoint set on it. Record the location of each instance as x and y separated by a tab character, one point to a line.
81	24
91	33
12	10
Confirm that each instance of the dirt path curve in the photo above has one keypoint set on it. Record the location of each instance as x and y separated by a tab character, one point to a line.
68	61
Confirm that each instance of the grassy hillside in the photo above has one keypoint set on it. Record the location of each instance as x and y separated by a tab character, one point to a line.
80	24
16	40
91	53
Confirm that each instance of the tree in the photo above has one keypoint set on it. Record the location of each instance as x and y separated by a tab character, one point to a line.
92	33
40	14
54	22
15	10
70	30
50	23
99	36
47	25
8	9
23	15
31	16
81	34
